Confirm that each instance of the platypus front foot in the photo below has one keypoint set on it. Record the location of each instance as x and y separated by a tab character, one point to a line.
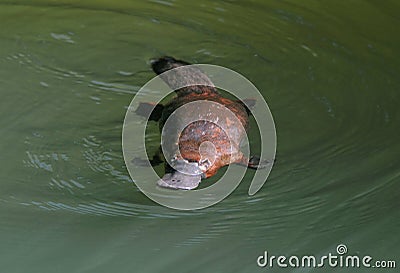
254	162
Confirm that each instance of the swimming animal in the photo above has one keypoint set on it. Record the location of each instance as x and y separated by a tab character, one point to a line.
204	136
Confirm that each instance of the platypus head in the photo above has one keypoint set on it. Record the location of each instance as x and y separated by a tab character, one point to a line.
184	175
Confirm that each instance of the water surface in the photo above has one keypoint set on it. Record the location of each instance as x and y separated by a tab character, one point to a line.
68	70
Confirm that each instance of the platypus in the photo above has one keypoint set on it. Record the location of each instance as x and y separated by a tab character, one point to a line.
206	144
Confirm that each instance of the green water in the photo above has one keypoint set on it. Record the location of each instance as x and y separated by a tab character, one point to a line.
329	71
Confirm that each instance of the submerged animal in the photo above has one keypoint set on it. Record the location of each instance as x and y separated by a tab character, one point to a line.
211	140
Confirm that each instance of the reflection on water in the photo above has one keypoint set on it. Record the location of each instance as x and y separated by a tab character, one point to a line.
68	71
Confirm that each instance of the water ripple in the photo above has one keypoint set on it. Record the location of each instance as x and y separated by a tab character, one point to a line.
37	161
115	87
63	37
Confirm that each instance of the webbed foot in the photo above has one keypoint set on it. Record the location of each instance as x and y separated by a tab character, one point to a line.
254	162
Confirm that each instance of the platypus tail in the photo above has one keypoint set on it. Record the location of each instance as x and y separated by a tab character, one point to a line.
185	80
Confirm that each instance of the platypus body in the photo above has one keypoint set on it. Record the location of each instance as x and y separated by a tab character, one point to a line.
206	138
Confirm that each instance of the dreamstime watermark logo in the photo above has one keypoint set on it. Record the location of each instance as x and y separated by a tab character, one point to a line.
340	259
155	90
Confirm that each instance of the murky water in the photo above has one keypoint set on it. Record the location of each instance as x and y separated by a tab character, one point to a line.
328	70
